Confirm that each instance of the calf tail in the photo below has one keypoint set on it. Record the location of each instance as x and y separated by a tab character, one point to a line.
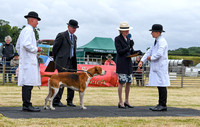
46	76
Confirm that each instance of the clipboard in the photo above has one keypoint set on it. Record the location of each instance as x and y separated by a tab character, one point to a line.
134	55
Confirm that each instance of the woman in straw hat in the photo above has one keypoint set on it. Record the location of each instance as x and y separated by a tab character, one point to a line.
124	69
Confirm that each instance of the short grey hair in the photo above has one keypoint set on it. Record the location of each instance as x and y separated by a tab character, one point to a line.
8	37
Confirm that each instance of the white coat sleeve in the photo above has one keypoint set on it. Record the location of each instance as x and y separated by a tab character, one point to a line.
160	51
18	45
27	42
148	53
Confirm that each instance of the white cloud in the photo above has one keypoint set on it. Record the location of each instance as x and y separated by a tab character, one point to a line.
180	18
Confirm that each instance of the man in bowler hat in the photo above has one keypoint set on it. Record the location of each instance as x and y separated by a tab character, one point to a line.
28	63
64	53
158	56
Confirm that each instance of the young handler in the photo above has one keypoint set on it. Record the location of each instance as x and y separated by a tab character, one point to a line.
158	56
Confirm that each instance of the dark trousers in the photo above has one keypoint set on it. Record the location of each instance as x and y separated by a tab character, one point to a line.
26	95
58	97
70	92
162	91
7	71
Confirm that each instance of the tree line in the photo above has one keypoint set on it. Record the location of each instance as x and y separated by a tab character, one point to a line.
191	51
13	31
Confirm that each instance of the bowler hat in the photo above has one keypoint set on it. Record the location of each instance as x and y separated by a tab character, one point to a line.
73	23
32	14
157	28
124	26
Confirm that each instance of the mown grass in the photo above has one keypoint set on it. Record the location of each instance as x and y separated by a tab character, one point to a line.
106	96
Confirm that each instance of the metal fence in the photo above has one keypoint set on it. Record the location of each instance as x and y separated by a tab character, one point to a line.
177	74
7	73
178	77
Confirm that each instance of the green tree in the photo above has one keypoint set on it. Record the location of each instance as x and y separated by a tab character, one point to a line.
6	29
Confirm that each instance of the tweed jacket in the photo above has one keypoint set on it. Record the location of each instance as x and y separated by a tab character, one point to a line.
61	52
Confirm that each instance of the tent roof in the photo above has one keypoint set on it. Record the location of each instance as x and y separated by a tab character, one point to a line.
99	44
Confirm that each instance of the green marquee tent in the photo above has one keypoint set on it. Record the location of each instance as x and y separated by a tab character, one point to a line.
99	46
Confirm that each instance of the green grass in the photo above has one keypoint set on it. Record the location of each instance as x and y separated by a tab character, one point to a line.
106	96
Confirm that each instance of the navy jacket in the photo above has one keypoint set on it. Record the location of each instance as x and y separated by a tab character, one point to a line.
124	63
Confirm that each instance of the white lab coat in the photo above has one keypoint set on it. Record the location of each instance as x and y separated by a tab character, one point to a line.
159	63
29	73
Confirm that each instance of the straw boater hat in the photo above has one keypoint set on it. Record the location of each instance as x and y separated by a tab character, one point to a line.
124	26
109	56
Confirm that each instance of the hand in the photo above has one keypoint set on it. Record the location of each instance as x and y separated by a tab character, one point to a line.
39	49
140	64
131	43
149	58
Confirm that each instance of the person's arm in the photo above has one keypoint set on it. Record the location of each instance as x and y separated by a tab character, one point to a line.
113	63
119	48
160	51
27	42
57	44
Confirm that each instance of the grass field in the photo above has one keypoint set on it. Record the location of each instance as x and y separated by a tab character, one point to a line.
106	96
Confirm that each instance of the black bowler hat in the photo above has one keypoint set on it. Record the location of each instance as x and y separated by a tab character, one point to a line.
32	14
157	28
73	23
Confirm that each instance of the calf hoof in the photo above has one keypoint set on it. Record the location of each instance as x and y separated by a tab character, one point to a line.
83	108
52	108
45	107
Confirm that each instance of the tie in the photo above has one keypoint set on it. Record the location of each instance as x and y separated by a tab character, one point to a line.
155	42
72	47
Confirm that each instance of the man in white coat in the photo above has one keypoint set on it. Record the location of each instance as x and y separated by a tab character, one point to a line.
158	57
29	74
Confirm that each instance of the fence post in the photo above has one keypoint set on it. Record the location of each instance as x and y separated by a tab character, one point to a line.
88	59
183	72
142	75
4	69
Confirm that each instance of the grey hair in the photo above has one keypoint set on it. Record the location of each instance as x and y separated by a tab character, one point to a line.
9	38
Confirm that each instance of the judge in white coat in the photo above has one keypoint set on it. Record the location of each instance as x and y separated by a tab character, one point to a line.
158	57
29	74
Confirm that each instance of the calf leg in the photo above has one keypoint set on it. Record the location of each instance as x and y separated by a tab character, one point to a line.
48	96
81	96
55	91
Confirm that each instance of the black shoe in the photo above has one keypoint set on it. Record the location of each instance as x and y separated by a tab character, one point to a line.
60	104
71	104
30	109
119	106
151	108
36	107
127	105
159	108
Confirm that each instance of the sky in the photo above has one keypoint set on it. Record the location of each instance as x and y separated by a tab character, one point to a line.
101	18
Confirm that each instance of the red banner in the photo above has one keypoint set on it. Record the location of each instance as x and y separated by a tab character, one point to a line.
110	79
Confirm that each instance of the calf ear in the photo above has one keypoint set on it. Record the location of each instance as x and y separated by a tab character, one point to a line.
98	69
